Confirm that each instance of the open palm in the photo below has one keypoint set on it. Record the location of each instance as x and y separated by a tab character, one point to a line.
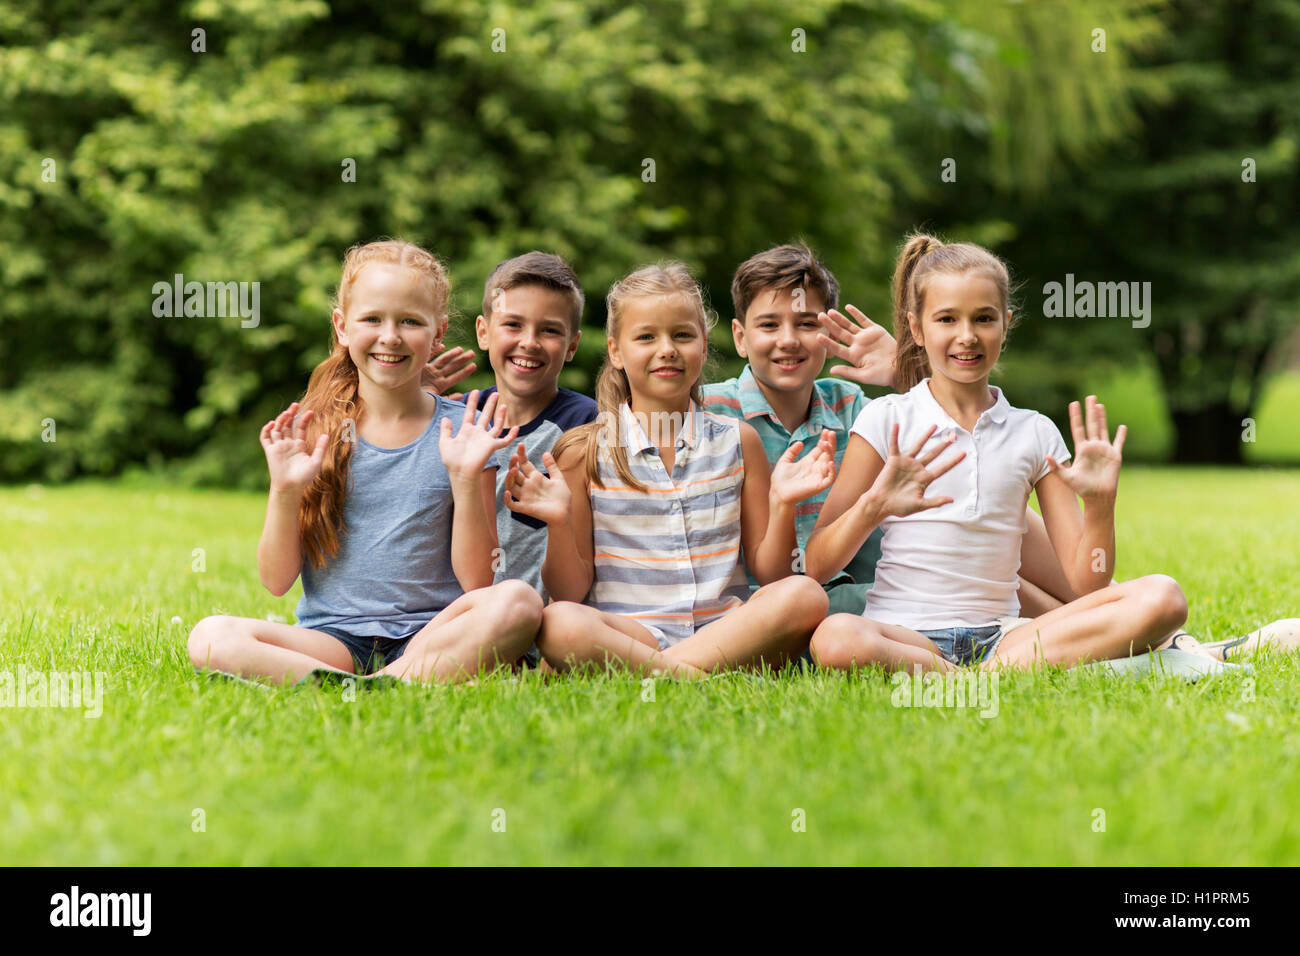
902	483
868	347
793	481
292	464
545	497
450	368
467	452
1093	472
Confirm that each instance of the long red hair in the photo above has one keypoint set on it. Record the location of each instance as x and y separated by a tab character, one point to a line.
333	394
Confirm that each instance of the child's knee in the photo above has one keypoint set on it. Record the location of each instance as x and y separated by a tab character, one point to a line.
561	627
1163	600
519	605
804	601
209	638
840	642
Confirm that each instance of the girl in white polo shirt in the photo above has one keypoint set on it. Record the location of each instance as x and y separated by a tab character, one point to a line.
946	468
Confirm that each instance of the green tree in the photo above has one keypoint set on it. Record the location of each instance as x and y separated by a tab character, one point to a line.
218	141
1201	202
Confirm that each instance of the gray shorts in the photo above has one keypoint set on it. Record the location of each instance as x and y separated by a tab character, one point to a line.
370	654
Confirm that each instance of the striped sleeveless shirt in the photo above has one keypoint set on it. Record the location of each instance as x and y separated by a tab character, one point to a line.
670	557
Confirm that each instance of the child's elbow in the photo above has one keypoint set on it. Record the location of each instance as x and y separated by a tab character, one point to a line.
815	566
276	588
279	586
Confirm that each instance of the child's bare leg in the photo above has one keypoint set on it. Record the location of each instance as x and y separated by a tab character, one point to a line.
1115	621
771	628
481	630
845	641
573	635
249	647
1043	584
1034	601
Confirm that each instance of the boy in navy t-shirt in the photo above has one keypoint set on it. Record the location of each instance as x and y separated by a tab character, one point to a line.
530	326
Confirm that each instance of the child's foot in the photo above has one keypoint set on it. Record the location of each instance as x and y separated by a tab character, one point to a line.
1281	635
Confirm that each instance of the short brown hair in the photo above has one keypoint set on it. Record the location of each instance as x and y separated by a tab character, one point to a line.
782	267
536	268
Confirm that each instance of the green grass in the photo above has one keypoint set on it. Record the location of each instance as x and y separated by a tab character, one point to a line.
586	771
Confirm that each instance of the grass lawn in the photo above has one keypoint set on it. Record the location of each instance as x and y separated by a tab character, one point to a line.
588	771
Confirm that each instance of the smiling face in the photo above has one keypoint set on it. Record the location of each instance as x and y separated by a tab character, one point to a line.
779	340
661	347
528	338
962	326
391	328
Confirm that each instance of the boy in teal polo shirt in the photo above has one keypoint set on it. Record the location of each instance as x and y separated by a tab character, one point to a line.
785	301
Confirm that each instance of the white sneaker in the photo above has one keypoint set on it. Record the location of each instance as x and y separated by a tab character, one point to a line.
1167	663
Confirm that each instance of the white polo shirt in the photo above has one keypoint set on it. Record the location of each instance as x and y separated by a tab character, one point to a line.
957	565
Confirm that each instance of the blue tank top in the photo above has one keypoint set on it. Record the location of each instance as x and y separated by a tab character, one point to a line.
393	571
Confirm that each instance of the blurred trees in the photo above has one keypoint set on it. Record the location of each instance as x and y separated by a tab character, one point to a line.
133	148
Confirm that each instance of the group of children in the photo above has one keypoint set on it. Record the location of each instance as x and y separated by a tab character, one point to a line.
674	527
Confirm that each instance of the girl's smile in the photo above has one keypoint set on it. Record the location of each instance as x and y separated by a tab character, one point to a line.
962	327
391	328
660	345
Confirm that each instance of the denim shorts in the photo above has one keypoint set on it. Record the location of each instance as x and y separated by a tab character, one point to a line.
370	654
970	645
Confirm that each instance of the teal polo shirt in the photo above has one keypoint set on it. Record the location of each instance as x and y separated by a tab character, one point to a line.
835	405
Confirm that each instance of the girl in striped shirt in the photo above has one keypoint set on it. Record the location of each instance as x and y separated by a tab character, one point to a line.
654	510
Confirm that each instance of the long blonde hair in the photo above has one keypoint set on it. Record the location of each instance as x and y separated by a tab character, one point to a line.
921	257
333	394
612	388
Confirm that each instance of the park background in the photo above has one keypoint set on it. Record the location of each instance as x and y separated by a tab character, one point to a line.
1107	140
255	140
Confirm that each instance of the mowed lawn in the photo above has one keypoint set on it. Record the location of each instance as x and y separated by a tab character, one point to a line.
791	770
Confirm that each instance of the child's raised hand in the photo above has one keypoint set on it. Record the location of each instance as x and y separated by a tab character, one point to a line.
1093	473
451	368
292	464
467	453
544	496
869	347
793	481
900	486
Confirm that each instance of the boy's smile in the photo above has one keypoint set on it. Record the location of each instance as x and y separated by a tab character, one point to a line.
780	342
528	339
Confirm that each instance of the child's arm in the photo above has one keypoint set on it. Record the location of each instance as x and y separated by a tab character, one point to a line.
768	501
293	468
561	499
473	489
868	491
1085	546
